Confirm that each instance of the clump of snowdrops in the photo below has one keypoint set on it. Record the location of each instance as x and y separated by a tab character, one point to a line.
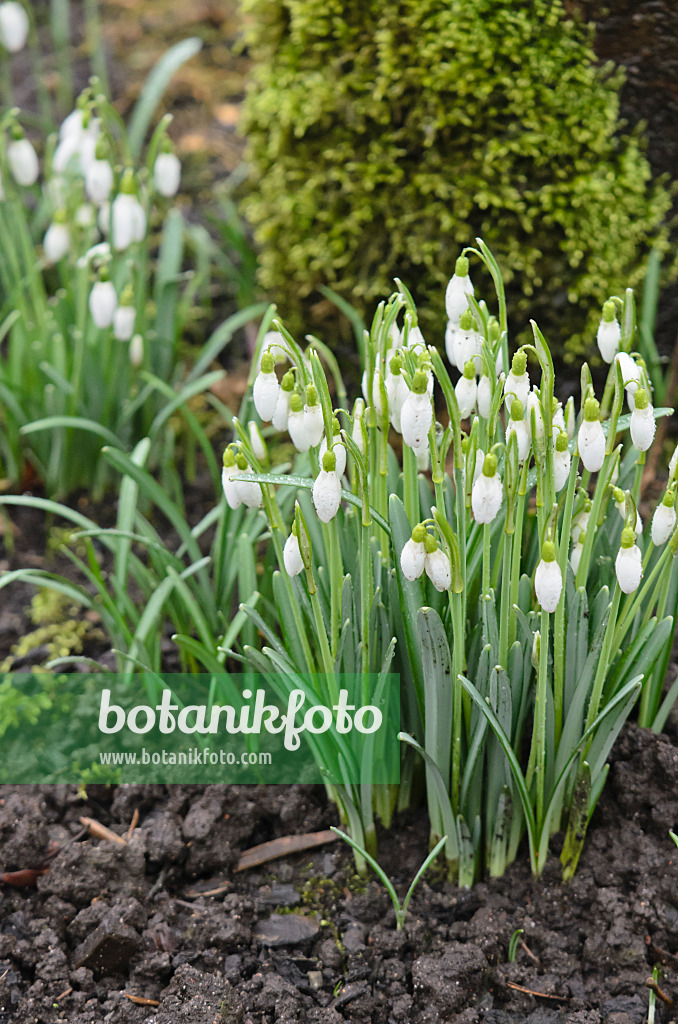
94	296
458	525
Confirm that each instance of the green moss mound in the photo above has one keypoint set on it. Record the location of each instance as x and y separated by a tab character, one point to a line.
383	135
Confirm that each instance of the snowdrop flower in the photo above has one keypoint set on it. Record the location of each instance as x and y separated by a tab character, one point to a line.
480	462
396	391
557	421
518	425
437	565
282	408
294	563
228	475
415	339
136	350
296	424
580	522
167	173
608	337
377	399
591	439
337	447
487	492
13	26
577	548
313	417
423	458
450	342
271	342
413	554
416	414
518	381
359	431
85	216
124	316
631	375
128	219
535	418
466	390
466	342
57	240
266	390
673	462
72	124
643	423
664	519
99	178
458	288
484	397
103	302
257	441
327	489
620	501
78	140
548	580
249	491
629	562
562	461
570	418
22	159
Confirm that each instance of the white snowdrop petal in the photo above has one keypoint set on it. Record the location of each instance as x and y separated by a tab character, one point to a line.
56	243
412	559
416	417
136	350
437	566
265	393
167	174
339	454
314	424
591	444
643	428
294	563
230	491
282	410
466	391
629	569
296	426
484	397
562	462
23	162
123	322
548	585
456	302
486	498
517	385
103	302
608	339
326	495
663	523
248	491
99	181
14	26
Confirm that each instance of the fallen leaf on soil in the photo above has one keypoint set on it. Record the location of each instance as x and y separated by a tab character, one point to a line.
140	1001
99	831
261	854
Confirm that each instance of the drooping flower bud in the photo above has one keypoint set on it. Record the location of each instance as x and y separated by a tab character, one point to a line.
629	562
136	350
337	447
228	475
631	375
664	519
127	215
257	441
294	563
22	159
359	431
518	425
167	174
576	553
103	302
487	492
266	389
313	417
282	408
608	337
296	423
535	418
437	565
562	461
396	391
548	579
327	489
466	390
643	424
484	397
57	240
14	26
99	177
591	439
518	381
413	554
580	523
620	501
416	414
249	491
124	316
458	288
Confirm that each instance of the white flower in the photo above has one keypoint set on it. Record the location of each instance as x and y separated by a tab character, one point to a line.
580	523
450	342
327	490
416	414
77	143
484	397
266	390
167	174
128	221
608	337
271	342
673	461
629	563
358	430
562	462
643	424
57	242
72	124
458	288
13	26
487	492
123	322
257	441
413	554
480	462
228	475
85	216
136	350
340	454
664	520
620	502
99	181
466	390
631	375
103	303
518	425
249	491
422	456
313	417
591	439
294	563
548	580
437	566
23	162
518	381
535	414
396	391
577	548
282	409
296	424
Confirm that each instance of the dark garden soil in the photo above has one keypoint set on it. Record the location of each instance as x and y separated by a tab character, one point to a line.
164	929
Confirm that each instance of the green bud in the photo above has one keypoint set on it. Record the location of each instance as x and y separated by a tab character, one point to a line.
128	184
100	152
336	426
618	494
628	537
561	442
669	498
267	362
419	533
17	132
519	363
516	410
287	383
241	461
470	370
229	458
466	320
609	311
296	403
493	330
60	217
430	543
420	382
591	410
461	267
329	462
490	465
548	551
311	395
641	399
396	364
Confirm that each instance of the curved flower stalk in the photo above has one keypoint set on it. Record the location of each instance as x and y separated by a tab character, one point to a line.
492	564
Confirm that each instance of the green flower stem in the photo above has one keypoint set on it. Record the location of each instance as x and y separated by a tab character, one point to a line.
487	538
325	652
540	716
603	664
336	579
504	611
638	477
517	550
559	645
457	607
411	486
596	506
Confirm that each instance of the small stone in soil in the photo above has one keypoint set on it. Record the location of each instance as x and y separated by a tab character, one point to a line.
286	930
109	948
